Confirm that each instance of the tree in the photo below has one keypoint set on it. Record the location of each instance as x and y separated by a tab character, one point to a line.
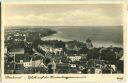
108	55
93	53
120	66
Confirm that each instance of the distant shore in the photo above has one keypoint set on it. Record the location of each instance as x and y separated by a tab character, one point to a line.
95	43
74	33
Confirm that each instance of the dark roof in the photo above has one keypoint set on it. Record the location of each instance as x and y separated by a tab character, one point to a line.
37	58
74	62
72	44
71	54
24	57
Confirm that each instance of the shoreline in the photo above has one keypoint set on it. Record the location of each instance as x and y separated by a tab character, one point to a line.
95	43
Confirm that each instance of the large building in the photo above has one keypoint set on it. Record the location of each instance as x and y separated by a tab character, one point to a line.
74	57
24	60
27	61
89	44
48	48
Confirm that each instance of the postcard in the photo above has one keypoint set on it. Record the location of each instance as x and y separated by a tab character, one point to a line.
63	41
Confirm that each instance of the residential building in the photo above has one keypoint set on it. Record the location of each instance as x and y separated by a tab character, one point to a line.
27	64
17	51
74	57
51	49
38	62
73	65
23	59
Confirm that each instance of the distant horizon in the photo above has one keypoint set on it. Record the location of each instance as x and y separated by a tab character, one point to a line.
31	26
101	35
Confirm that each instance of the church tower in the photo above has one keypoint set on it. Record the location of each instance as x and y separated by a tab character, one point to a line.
89	44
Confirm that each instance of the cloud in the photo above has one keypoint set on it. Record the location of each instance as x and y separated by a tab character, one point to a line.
76	17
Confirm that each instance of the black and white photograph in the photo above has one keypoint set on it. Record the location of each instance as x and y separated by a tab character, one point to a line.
63	38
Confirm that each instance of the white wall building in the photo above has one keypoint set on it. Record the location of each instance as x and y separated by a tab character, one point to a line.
35	63
113	67
26	64
73	65
74	58
50	49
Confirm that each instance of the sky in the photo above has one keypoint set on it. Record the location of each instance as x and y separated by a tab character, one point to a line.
63	14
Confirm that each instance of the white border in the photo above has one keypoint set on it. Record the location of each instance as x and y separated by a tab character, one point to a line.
90	77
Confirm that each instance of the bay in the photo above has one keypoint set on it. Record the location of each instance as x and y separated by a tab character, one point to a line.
100	35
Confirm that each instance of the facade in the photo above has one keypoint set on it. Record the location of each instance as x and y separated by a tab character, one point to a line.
27	61
27	64
50	49
74	58
73	65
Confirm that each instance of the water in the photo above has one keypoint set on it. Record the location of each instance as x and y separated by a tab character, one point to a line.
100	36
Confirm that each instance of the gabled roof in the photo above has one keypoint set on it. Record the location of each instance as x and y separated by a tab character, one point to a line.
74	45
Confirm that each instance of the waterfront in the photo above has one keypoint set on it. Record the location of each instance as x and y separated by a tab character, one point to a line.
100	36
